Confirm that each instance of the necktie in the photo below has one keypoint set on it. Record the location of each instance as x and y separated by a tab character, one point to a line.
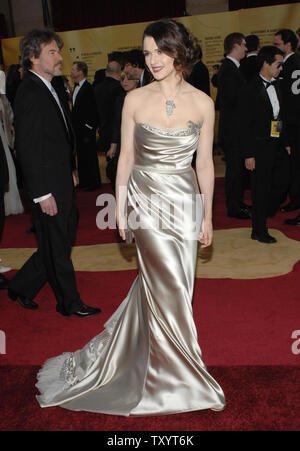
54	93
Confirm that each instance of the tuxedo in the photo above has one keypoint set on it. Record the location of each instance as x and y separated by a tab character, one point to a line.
290	82
230	83
269	180
199	77
106	94
249	67
112	165
85	122
44	145
145	79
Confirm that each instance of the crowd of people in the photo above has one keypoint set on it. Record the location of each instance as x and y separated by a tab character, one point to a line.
259	103
257	98
159	99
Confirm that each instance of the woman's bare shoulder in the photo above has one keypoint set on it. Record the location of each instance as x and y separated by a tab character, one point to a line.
198	95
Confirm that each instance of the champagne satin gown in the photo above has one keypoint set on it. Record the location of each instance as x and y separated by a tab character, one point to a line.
147	361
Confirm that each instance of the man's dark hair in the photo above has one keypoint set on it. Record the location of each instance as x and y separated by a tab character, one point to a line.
252	42
31	44
134	57
267	54
232	39
288	36
115	56
81	65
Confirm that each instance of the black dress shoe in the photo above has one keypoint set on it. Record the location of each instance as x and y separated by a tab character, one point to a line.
31	230
85	311
289	207
293	221
22	300
264	238
3	282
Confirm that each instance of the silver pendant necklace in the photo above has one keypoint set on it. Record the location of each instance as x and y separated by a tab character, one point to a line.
170	104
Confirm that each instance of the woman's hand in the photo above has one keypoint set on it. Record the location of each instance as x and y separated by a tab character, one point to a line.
206	236
121	224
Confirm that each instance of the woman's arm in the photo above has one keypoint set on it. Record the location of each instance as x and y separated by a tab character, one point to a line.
125	163
205	170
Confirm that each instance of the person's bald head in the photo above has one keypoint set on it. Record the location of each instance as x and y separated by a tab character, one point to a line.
113	69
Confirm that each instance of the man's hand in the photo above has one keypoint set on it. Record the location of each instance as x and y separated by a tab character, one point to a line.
49	206
288	149
75	181
112	151
250	163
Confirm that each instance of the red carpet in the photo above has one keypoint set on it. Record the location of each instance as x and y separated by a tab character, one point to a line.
258	398
244	329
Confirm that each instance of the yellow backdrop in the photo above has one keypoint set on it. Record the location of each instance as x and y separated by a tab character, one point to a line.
92	45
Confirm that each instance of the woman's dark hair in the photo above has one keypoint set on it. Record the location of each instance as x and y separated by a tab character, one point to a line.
267	54
134	57
31	44
173	39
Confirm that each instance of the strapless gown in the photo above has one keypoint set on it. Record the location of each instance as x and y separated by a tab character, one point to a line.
147	361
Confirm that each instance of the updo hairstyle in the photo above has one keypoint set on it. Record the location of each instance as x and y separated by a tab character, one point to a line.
173	39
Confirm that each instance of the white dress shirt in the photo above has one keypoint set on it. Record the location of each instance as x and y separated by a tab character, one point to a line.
76	90
272	96
236	62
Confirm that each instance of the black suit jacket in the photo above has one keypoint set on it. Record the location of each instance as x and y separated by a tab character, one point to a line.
249	67
106	94
84	111
146	79
230	83
290	82
43	143
255	114
199	77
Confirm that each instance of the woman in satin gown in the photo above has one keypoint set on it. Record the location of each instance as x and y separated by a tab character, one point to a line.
147	361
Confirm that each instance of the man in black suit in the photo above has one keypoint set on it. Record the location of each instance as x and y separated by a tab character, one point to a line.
230	83
134	67
43	143
286	41
199	76
106	94
85	122
248	65
263	142
3	184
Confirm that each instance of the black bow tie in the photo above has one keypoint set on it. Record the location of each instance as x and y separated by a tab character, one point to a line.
76	84
269	83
